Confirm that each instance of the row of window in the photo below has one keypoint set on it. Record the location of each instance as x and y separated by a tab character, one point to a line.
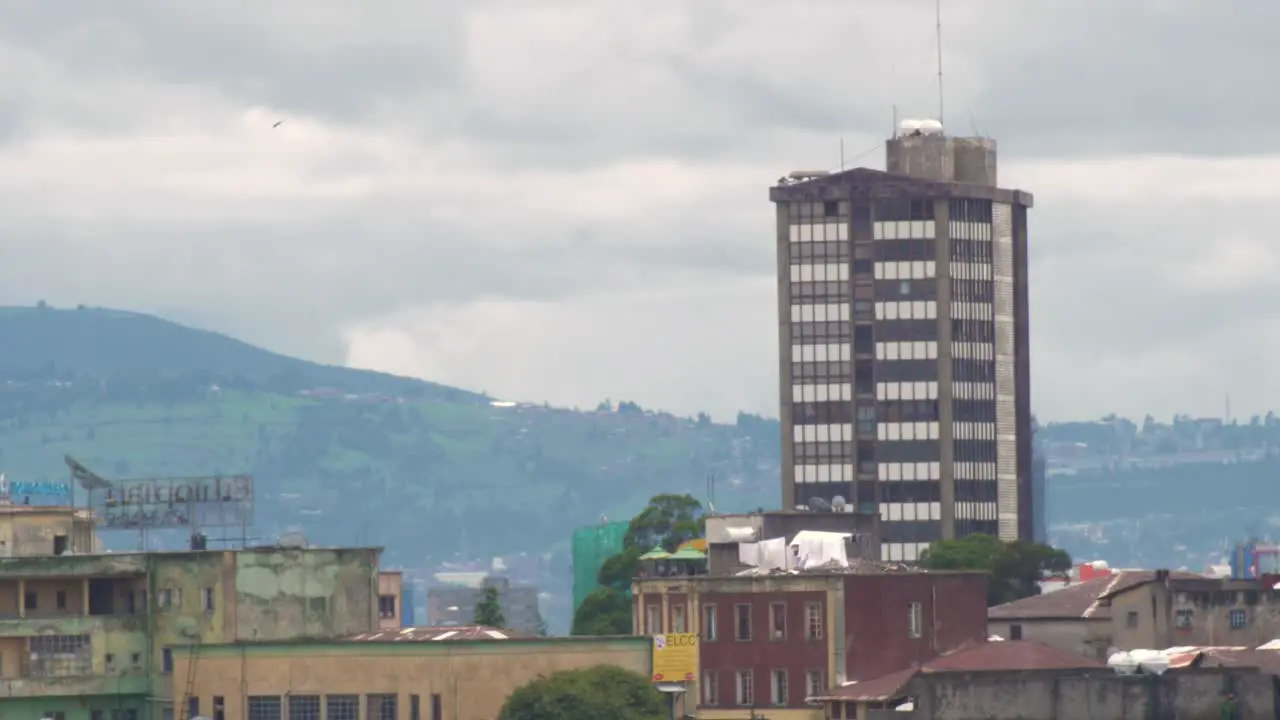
918	390
822	312
811	211
970	271
825	473
825	272
826	392
907	350
963	310
973	351
902	552
377	706
973	391
909	471
903	229
910	512
962	230
907	310
1184	619
905	270
744	688
893	432
975	470
824	352
973	430
743	630
976	510
819	232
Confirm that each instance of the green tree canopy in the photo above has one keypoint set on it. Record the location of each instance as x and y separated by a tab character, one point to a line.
668	520
489	608
594	693
1016	568
605	611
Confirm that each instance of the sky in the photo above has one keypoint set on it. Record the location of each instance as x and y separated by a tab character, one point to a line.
567	201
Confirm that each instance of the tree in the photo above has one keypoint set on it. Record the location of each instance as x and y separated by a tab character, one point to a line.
602	691
1016	568
668	520
605	611
489	609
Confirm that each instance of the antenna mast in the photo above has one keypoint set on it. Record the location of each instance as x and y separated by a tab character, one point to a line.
937	13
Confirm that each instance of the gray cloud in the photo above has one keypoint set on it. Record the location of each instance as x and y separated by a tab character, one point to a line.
567	200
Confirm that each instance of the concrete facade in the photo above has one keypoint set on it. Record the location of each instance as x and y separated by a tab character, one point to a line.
90	633
795	635
390	599
1058	695
429	680
37	530
1133	610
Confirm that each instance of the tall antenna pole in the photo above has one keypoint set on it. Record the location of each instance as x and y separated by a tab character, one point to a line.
937	13
841	154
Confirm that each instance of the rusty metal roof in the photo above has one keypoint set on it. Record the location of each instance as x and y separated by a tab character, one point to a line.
976	657
438	634
1081	600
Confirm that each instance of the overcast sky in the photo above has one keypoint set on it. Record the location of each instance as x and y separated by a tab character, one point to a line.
567	201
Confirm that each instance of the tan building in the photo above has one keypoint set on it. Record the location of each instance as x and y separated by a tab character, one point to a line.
443	673
390	599
1151	609
37	530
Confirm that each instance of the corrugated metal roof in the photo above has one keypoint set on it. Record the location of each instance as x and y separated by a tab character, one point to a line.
438	633
977	657
1080	600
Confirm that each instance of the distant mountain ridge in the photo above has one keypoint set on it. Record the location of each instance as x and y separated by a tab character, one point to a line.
99	341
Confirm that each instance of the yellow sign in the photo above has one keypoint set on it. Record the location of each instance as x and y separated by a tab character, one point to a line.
675	657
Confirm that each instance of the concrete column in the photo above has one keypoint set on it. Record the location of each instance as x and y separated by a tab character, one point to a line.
22	597
84	596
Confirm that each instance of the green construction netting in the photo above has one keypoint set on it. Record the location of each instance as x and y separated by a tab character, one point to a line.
591	547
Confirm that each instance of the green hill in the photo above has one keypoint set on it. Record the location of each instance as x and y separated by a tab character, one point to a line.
348	456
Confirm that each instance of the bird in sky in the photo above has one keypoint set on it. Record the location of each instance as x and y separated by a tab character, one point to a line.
278	124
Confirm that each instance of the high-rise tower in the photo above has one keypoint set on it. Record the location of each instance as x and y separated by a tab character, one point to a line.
905	368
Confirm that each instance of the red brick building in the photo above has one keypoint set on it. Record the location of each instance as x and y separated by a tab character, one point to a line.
773	641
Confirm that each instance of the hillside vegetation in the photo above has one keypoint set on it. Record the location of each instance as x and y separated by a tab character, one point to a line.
349	456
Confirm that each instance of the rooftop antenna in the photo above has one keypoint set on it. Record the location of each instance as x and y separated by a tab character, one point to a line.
937	12
895	121
841	154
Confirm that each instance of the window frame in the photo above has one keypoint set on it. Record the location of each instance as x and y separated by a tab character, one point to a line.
814	621
737	622
915	620
708	629
777	622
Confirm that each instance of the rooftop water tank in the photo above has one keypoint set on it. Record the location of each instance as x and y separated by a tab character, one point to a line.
930	127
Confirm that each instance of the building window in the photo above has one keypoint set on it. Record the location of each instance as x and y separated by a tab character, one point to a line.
109	660
340	707
677	618
60	599
30	600
1131	620
415	710
709	623
60	656
813	621
303	707
915	623
135	659
710	689
1182	619
193	707
208	601
814	686
746	689
386	606
652	619
219	708
166	660
778	687
1238	619
264	707
1015	632
53	715
380	707
169	598
437	707
742	624
777	621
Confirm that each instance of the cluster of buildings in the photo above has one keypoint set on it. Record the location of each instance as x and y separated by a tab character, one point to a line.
251	633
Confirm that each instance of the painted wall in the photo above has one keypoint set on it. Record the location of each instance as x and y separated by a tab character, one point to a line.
290	594
472	678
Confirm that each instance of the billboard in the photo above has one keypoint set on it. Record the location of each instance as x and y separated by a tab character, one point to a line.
43	491
675	657
220	501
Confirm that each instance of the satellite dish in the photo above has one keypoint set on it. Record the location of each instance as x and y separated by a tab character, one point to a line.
88	479
292	541
838	503
819	504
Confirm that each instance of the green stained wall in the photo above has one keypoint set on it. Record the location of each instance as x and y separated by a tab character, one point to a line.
74	707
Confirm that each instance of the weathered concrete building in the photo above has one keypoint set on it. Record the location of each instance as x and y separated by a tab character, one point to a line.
390	599
453	673
36	530
86	634
1024	680
773	641
1148	609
